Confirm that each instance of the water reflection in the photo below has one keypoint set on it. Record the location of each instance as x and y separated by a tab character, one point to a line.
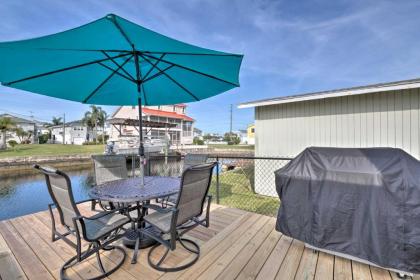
23	193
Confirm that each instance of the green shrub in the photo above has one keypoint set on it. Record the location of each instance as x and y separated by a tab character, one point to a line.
198	141
12	143
43	138
102	138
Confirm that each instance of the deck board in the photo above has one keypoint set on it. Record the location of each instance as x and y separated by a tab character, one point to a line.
237	245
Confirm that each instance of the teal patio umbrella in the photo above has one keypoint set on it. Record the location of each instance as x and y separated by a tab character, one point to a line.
112	61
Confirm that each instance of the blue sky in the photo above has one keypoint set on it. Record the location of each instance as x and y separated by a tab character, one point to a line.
290	47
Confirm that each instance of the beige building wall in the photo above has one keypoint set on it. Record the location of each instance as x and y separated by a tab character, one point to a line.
383	119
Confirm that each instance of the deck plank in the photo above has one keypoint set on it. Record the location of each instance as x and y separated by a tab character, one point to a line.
51	260
274	261
325	267
379	274
237	245
342	269
26	258
290	264
85	269
214	242
361	271
231	263
246	230
253	267
307	266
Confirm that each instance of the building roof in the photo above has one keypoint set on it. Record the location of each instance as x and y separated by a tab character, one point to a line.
69	124
154	112
161	113
17	119
135	122
398	85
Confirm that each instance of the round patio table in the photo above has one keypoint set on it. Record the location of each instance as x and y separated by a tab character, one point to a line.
130	191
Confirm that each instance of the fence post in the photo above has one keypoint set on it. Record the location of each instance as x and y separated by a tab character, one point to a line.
217	181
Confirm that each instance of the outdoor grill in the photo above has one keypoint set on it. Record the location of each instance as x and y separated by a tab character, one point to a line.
363	204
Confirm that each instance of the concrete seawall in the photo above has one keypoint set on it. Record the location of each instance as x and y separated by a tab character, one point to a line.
21	163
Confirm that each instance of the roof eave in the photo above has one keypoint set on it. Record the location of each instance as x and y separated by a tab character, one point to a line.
331	94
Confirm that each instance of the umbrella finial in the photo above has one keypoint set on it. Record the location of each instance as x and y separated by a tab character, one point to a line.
110	16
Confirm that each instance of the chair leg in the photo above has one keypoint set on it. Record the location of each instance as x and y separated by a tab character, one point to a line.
73	261
98	259
93	205
136	250
158	266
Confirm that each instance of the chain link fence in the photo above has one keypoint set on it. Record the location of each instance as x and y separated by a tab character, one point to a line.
243	182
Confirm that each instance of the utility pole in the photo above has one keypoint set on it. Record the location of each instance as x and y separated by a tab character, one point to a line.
64	129
231	120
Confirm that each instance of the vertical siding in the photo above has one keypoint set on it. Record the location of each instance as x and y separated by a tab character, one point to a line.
387	119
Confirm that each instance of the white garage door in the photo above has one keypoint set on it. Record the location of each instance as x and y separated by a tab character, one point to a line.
78	140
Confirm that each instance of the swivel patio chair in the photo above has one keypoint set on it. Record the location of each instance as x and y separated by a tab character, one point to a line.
100	230
108	168
189	160
175	221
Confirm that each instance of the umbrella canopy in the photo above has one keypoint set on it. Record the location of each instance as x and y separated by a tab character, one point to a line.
112	61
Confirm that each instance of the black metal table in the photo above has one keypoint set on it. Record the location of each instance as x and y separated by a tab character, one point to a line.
129	191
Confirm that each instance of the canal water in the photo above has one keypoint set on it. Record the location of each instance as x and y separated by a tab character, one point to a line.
23	193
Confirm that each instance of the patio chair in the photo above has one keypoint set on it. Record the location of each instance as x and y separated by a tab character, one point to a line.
194	159
100	230
175	221
108	168
189	160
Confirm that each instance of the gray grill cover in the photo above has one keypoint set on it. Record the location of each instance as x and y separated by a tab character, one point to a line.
361	202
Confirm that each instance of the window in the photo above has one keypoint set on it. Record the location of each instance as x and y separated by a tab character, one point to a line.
187	129
252	130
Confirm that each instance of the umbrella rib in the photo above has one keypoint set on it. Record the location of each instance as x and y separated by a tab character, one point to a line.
113	20
105	81
185	53
62	70
153	66
118	73
128	74
173	80
192	70
158	74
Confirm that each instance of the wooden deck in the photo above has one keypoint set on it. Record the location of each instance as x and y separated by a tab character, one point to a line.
238	245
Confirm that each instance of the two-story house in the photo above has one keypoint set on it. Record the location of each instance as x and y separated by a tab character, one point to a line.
76	133
182	133
30	126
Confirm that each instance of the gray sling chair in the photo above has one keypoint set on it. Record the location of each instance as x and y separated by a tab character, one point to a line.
99	230
189	160
108	168
186	214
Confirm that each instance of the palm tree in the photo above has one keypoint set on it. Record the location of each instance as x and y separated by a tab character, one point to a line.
103	116
88	121
6	124
94	118
57	121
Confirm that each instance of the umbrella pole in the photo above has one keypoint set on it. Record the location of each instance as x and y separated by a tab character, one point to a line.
141	146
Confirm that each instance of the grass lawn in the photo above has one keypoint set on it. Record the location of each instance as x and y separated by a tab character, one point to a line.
232	147
51	150
236	191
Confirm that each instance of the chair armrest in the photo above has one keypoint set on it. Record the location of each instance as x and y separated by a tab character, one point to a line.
159	209
85	200
103	214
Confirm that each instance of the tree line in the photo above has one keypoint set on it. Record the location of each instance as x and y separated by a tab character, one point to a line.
93	119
